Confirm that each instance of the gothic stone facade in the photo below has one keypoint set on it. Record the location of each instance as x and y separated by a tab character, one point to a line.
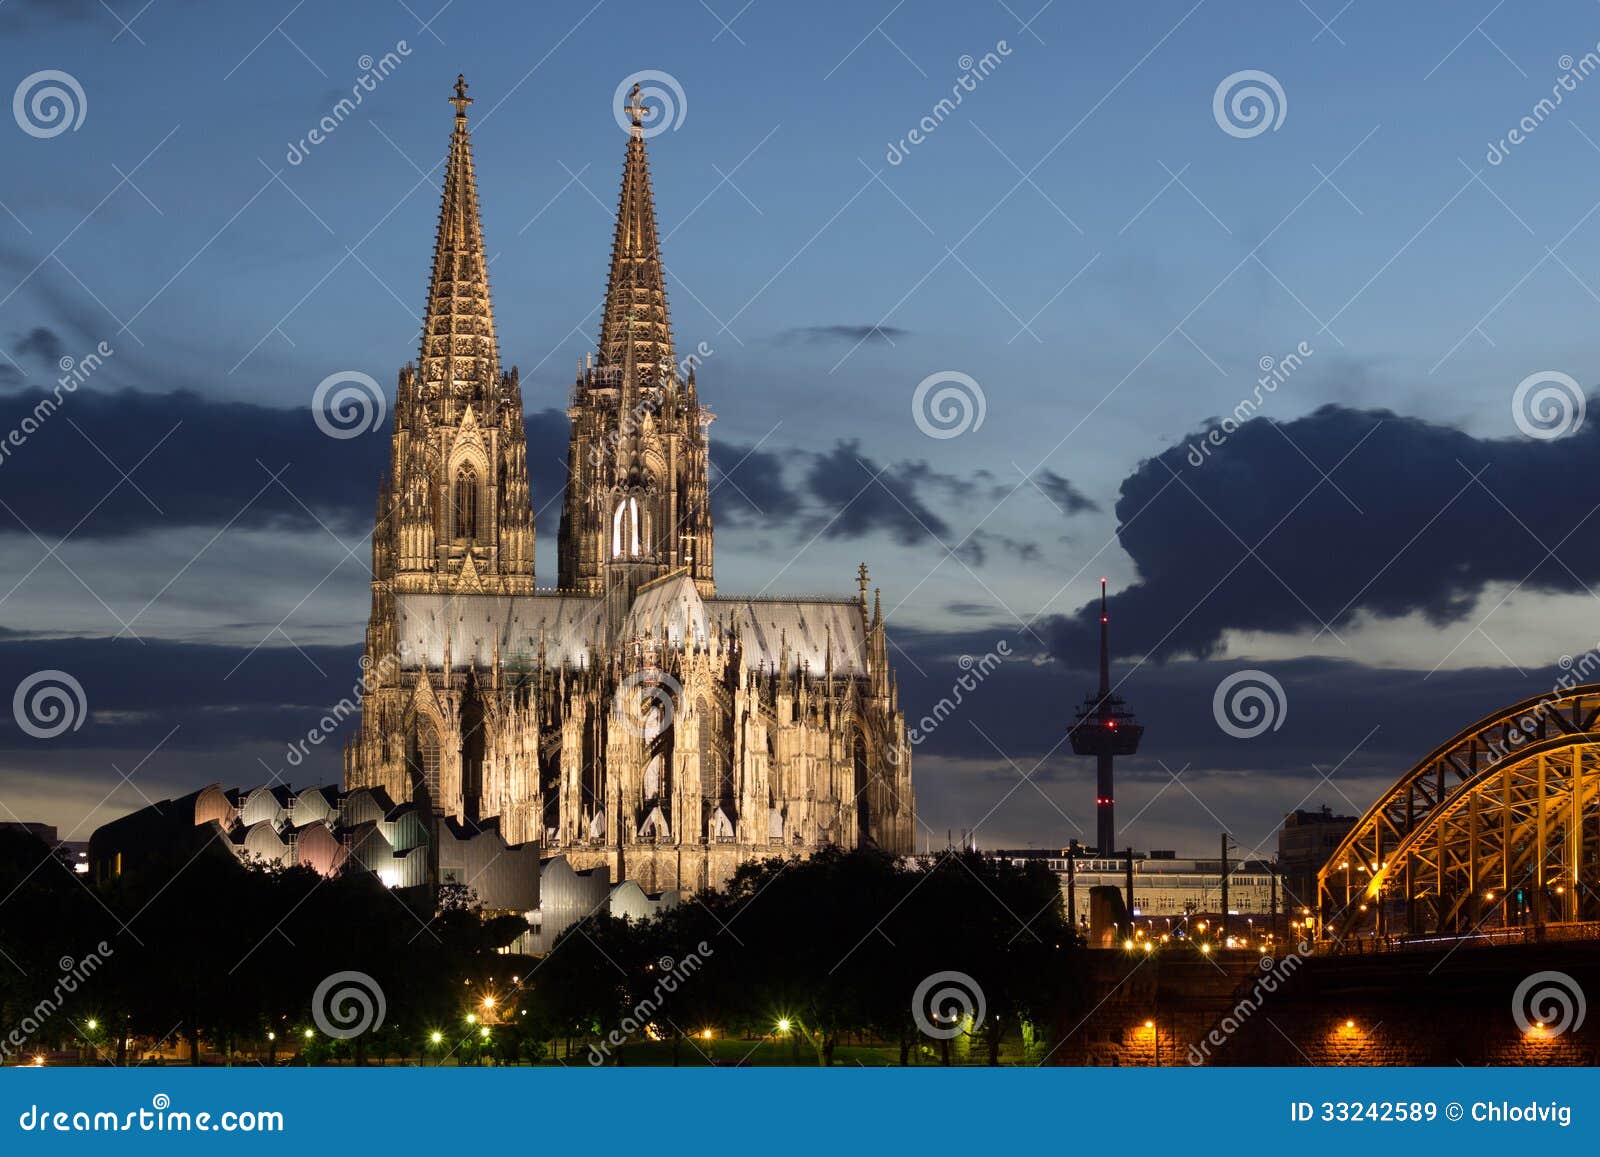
631	718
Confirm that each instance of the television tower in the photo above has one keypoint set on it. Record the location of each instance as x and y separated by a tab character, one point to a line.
1105	729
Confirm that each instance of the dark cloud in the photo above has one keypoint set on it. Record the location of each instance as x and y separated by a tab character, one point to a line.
136	692
193	461
548	434
190	461
859	498
10	375
968	610
819	334
1063	493
25	14
1412	517
845	494
748	486
44	344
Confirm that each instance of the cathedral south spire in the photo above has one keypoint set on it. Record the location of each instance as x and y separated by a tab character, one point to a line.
636	293
638	500
460	358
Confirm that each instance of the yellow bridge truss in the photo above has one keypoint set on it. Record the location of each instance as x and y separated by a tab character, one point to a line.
1497	828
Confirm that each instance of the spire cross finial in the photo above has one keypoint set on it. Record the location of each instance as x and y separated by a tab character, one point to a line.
862	581
461	100
636	112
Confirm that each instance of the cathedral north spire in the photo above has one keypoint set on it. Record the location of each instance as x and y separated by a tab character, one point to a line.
636	293
460	356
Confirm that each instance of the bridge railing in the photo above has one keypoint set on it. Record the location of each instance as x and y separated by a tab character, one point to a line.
1487	938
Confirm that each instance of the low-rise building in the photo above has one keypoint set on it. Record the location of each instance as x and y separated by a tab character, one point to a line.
1165	887
1305	842
328	831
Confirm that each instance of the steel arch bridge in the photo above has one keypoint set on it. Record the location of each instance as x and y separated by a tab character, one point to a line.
1496	829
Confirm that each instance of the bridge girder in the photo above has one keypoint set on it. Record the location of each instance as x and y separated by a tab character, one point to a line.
1508	807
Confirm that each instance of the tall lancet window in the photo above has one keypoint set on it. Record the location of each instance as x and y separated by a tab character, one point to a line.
625	529
466	503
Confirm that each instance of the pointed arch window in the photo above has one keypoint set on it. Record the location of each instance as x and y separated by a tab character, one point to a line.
426	769
625	529
466	503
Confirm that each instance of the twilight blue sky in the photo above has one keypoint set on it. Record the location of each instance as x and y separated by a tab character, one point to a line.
1080	236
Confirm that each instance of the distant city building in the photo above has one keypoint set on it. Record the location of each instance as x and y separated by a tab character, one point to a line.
1305	842
73	853
1164	886
46	832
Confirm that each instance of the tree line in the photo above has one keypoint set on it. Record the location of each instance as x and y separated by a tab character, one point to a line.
248	963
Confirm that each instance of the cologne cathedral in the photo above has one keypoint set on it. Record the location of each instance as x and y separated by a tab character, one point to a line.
632	717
